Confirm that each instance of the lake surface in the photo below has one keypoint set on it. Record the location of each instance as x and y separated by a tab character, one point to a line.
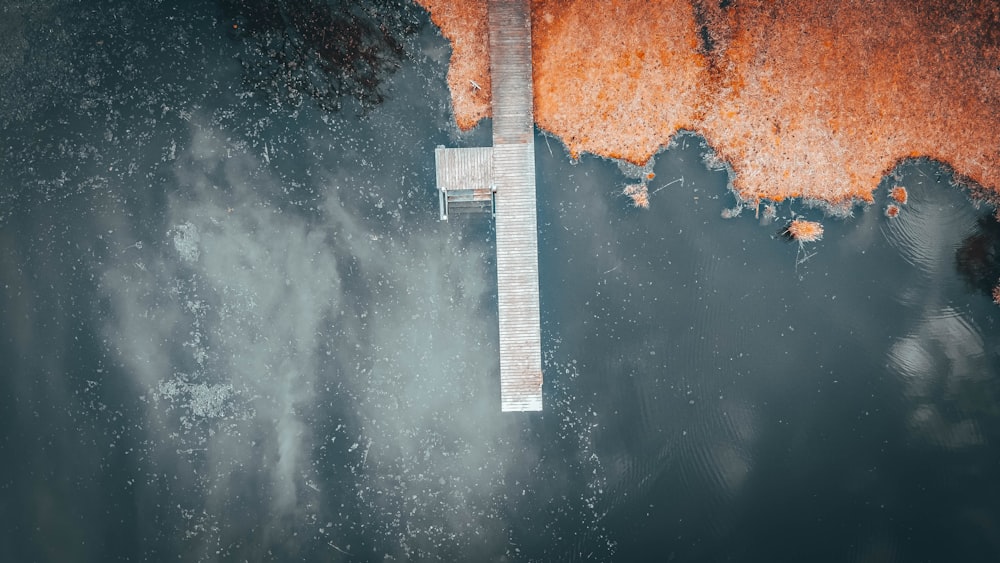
234	329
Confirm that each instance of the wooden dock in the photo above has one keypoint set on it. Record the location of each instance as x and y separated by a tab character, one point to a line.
516	205
506	174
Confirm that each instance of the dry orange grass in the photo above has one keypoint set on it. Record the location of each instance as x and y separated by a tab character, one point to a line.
600	74
805	231
803	99
463	23
996	294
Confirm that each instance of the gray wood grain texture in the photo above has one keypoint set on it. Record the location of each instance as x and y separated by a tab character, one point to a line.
516	206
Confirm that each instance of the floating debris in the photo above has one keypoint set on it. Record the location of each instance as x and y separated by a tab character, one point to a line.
769	215
639	195
804	231
187	241
899	194
732	212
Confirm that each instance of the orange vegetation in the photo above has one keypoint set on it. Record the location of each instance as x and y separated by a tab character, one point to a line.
804	231
803	99
639	194
899	194
892	210
463	23
996	294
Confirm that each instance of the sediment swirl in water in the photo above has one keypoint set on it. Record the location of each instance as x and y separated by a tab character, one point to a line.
803	99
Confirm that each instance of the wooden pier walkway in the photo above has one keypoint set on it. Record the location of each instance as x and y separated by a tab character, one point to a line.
502	178
516	206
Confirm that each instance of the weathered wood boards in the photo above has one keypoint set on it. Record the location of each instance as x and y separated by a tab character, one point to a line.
516	206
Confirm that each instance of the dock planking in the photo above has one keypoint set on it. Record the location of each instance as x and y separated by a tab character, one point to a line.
464	178
516	206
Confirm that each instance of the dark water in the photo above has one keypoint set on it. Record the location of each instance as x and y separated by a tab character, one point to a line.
233	329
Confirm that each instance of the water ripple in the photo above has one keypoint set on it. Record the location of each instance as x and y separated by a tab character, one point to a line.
942	366
924	231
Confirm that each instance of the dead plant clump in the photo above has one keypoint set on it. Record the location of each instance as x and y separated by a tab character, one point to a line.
899	194
639	194
804	231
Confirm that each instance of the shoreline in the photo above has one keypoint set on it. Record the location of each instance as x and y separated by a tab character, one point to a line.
811	101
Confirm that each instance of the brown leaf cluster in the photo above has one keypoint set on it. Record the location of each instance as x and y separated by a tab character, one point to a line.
803	99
